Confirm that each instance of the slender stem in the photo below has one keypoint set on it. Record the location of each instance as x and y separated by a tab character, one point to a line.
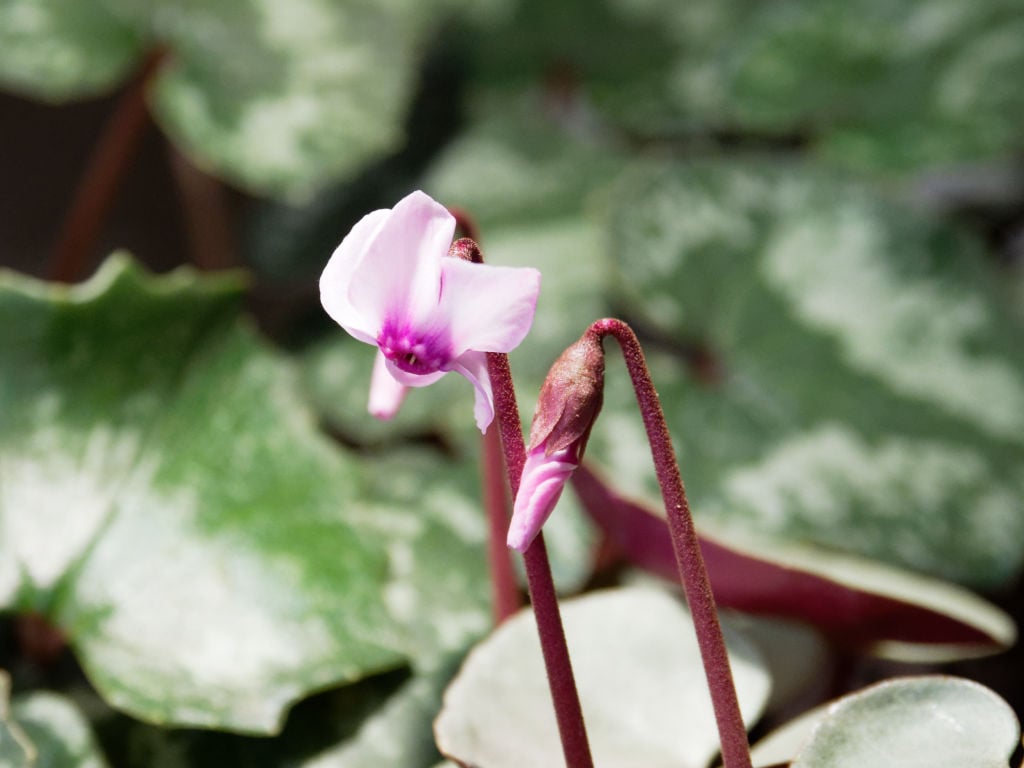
204	205
465	226
557	664
504	590
696	585
543	598
103	175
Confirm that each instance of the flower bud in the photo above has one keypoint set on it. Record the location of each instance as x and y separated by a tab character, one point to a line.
465	248
569	403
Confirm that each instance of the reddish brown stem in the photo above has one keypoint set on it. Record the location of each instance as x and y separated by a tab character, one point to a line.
40	641
103	175
205	207
543	597
504	590
465	226
694	576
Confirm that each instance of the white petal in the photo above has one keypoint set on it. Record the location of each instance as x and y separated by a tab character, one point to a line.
386	394
336	280
473	365
400	276
490	309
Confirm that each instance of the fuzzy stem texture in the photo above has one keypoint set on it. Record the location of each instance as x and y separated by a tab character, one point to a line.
543	598
541	584
504	590
103	175
696	585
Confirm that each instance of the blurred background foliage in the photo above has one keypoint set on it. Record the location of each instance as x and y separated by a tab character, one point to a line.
812	211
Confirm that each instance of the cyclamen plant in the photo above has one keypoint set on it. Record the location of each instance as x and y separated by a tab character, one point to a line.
397	282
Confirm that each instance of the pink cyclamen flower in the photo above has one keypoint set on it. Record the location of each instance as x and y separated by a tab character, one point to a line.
390	284
569	403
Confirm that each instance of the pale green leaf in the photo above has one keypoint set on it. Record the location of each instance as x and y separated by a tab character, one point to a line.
868	83
62	49
281	98
641	684
867	375
284	97
62	736
16	751
938	722
166	501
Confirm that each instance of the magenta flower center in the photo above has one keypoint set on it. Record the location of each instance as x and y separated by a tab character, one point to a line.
413	350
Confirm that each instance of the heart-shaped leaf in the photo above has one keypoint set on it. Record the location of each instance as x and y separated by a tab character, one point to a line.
941	722
838	370
640	679
281	98
424	507
860	604
63	49
167	503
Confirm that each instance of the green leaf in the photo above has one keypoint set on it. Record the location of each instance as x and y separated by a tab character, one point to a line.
438	588
278	98
283	98
438	593
384	720
16	751
60	732
941	722
168	504
63	49
865	375
579	52
870	84
641	684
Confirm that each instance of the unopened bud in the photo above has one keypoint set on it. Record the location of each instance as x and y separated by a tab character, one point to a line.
569	403
570	398
465	248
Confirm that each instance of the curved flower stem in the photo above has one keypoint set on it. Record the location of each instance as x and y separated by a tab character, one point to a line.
465	226
504	590
732	733
543	598
102	177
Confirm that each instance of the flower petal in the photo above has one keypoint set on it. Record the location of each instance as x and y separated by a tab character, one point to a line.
544	477
386	394
473	365
488	308
336	279
400	275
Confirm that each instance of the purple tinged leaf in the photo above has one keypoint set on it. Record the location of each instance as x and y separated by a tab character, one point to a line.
868	606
